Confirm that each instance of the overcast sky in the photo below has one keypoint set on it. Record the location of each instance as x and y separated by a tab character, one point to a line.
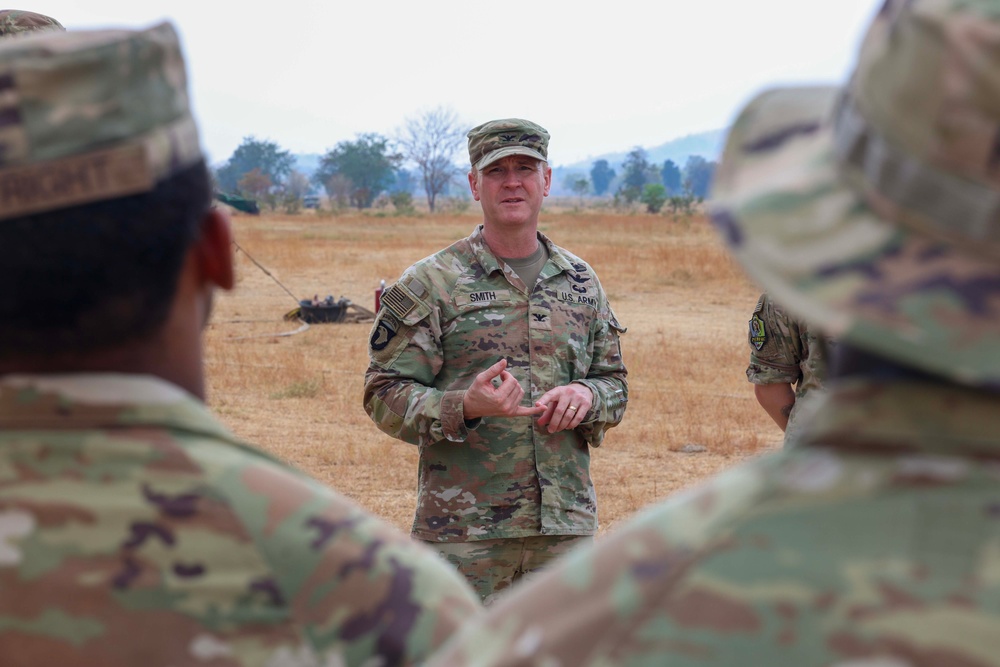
600	76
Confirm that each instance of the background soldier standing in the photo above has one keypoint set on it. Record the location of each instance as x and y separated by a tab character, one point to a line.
873	538
134	528
787	362
472	344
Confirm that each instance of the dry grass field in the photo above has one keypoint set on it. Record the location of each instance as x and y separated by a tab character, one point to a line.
299	396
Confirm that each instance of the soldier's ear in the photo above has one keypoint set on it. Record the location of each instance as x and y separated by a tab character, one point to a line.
474	186
214	250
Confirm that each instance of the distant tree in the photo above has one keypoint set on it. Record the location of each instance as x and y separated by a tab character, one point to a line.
670	176
402	181
366	162
255	185
297	184
579	185
635	169
431	141
264	156
654	196
296	187
339	188
698	173
403	201
601	176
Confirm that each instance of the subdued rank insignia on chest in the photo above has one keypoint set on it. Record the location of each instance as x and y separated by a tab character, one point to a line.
758	334
384	332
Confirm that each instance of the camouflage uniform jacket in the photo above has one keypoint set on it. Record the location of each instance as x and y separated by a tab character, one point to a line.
873	539
135	530
447	319
785	350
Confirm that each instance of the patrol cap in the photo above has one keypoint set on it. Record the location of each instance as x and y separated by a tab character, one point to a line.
509	136
91	115
16	21
872	210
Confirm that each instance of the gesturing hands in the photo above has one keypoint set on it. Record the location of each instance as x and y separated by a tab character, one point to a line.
485	399
565	406
561	408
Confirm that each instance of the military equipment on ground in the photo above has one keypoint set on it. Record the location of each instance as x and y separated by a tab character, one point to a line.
322	311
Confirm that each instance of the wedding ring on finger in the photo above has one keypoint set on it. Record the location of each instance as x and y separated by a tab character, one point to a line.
572	407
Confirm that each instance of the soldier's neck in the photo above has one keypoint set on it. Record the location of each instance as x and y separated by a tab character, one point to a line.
512	243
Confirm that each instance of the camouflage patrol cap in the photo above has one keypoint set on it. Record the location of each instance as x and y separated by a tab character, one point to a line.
873	210
510	136
91	115
16	21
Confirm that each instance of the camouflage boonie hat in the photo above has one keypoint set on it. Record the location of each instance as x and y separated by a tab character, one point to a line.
511	136
91	115
16	21
873	210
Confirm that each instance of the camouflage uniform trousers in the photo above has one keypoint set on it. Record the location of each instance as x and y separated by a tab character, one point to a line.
492	566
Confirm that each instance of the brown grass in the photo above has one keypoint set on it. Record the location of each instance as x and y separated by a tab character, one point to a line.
299	397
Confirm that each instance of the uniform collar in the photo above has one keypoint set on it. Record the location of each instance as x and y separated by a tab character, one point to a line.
491	262
101	401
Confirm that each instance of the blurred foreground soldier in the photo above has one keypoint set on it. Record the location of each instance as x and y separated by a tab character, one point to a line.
872	538
787	362
499	357
134	529
19	22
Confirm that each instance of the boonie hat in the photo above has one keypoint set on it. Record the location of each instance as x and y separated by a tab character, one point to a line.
16	22
510	136
873	210
91	115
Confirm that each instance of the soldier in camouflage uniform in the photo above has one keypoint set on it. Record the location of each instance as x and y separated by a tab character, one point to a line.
784	351
499	358
873	537
134	528
18	22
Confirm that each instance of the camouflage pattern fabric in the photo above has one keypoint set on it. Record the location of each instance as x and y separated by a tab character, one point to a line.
873	211
447	319
18	22
786	350
871	541
497	139
64	146
492	566
134	530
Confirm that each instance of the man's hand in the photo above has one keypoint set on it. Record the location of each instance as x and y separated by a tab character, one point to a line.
485	398
565	406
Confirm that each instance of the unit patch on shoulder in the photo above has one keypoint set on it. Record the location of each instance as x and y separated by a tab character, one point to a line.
385	331
758	334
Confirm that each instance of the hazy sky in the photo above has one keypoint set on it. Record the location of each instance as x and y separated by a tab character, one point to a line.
600	76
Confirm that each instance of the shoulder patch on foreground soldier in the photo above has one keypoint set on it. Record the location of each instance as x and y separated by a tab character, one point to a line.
402	308
758	333
405	300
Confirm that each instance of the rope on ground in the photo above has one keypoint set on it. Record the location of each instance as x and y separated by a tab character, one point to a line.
268	273
304	327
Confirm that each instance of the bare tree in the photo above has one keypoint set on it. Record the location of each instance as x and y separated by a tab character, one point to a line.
431	140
